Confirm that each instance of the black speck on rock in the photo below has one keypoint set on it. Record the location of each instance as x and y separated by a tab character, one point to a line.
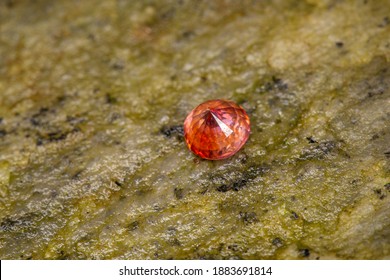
119	184
304	252
279	83
62	255
375	92
118	65
171	230
26	257
16	224
39	141
233	247
235	186
311	140
355	182
248	217
188	34
10	4
174	130
110	99
379	194
239	184
320	150
3	133
375	136
277	242
61	99
36	119
294	215
240	181
385	22
77	174
223	188
56	136
74	120
179	194
133	226
327	146
8	224
274	83
339	44
174	242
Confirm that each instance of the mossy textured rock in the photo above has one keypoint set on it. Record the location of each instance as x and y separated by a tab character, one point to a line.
93	95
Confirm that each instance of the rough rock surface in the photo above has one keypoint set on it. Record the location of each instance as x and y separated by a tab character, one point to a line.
93	95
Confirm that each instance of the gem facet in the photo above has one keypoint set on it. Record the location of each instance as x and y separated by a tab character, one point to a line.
216	129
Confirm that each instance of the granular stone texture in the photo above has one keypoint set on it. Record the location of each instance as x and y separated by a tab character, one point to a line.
93	95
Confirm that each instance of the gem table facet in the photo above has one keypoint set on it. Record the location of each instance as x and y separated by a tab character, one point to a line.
216	129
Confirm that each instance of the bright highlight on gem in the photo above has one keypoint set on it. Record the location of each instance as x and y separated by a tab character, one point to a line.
225	129
216	129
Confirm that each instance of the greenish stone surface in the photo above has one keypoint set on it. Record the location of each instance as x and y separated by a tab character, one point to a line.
93	95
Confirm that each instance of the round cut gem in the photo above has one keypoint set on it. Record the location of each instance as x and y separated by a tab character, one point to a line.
216	129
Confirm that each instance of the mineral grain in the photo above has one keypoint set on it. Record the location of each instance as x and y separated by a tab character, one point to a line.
216	129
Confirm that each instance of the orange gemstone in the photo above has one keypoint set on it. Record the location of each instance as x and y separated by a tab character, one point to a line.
216	129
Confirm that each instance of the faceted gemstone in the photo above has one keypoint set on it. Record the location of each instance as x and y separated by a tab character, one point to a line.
216	129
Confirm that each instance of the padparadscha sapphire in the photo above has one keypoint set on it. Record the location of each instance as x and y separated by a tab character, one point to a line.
216	129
